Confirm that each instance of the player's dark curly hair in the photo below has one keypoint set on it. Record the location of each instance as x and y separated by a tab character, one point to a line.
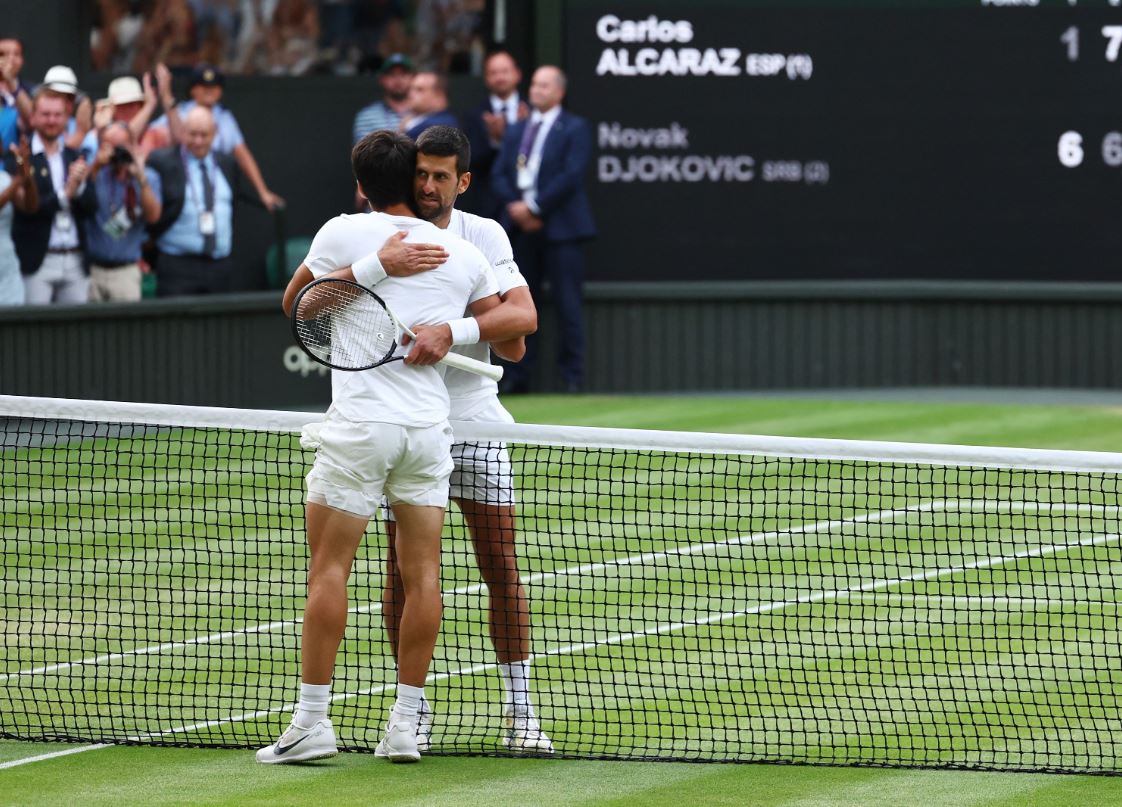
384	163
445	141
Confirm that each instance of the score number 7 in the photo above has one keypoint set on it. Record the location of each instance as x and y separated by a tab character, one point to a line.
1112	33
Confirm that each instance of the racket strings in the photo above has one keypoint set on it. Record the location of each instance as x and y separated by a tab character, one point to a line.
345	326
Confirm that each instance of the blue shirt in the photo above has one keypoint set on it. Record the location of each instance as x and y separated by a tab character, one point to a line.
89	146
103	244
9	128
229	135
183	237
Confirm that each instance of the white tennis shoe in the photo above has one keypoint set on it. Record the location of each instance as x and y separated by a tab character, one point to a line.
424	727
299	744
522	734
399	743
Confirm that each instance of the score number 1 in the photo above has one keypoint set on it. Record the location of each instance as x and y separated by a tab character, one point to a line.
1070	149
1112	34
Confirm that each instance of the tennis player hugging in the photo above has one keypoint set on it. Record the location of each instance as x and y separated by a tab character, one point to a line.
387	434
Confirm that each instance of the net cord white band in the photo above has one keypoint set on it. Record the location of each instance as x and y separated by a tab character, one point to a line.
1028	459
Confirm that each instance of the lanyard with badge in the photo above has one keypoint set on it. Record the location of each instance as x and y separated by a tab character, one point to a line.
528	162
527	171
207	223
64	221
120	221
63	224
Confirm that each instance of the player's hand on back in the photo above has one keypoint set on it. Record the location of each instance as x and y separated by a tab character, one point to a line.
401	259
432	344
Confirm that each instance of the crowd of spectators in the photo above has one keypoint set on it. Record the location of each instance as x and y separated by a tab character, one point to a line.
93	194
286	37
96	193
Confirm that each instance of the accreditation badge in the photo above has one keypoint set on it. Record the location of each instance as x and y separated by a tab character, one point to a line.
207	224
117	225
64	221
525	178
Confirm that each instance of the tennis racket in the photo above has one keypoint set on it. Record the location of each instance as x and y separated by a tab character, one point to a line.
348	327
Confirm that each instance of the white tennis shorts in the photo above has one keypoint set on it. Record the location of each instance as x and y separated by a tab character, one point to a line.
483	472
359	462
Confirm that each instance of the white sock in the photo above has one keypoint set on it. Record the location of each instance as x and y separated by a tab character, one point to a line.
314	700
516	685
408	703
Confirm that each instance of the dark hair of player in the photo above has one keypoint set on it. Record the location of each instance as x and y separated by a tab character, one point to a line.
383	163
446	141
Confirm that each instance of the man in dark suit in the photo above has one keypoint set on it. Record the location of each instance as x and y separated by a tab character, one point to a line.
539	178
485	126
428	105
50	243
199	187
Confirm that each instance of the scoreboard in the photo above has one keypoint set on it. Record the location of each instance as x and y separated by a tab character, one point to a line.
976	140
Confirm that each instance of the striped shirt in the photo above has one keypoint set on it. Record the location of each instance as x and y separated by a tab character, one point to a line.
374	117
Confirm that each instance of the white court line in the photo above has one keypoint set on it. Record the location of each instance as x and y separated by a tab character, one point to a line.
953	599
656	630
40	757
692	549
951	505
1001	506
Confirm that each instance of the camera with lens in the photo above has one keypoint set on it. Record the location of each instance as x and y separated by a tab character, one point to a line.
121	156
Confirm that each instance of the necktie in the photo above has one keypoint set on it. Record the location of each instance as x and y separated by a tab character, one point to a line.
210	241
528	138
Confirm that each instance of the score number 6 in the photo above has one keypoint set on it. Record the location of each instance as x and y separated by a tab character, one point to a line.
1070	149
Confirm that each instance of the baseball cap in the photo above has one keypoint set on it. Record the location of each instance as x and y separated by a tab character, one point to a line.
125	90
396	60
61	78
207	75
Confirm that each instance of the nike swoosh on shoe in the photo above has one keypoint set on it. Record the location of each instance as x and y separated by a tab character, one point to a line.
285	749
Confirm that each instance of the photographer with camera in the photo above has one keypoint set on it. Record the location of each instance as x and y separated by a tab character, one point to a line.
128	199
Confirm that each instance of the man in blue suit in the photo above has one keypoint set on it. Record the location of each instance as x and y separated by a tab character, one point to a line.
485	126
539	178
428	105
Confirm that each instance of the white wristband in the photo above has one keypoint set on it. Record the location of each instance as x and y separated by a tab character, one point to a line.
465	331
368	271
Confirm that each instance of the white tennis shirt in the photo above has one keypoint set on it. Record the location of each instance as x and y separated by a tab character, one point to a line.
471	393
396	392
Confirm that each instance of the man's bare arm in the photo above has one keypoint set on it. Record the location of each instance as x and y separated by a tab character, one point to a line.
300	278
516	315
252	171
504	322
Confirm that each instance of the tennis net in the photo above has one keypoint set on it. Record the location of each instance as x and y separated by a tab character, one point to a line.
693	596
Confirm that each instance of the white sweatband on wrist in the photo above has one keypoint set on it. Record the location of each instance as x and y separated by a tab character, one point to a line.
464	331
368	271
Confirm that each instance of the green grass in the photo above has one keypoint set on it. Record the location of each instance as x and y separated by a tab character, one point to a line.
122	775
875	668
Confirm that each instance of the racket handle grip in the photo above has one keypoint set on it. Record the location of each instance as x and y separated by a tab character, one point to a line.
471	365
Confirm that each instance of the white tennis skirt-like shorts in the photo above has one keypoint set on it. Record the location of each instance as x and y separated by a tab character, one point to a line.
359	462
483	472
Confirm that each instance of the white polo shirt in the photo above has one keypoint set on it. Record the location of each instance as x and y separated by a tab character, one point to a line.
471	393
396	392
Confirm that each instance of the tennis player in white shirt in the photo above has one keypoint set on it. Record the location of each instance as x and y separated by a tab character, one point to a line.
386	432
482	483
